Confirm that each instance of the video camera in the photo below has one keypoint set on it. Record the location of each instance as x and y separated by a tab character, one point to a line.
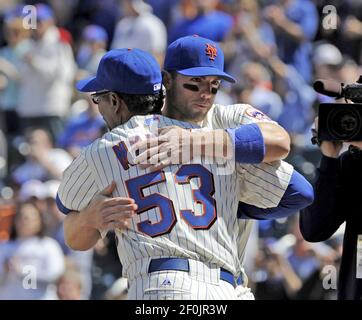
340	121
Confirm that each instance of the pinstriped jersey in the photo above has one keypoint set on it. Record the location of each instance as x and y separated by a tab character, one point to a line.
183	211
262	185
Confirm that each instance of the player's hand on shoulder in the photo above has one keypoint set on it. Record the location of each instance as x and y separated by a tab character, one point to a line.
106	212
169	147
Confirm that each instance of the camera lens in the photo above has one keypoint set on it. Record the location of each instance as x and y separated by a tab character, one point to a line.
344	123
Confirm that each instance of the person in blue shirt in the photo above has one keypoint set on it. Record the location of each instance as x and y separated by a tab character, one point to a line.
295	24
207	22
297	96
82	129
163	9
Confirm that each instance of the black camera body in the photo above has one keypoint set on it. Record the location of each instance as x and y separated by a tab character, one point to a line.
340	122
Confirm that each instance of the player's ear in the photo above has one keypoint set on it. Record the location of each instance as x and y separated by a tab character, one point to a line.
166	79
116	102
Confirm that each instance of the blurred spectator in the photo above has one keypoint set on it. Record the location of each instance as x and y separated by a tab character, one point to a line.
352	32
139	28
327	60
106	268
118	290
301	255
63	10
82	129
5	5
29	258
330	64
314	286
10	56
303	259
164	9
202	19
48	70
43	161
81	260
252	38
350	71
297	96
92	48
7	212
295	24
3	156
33	191
104	13
347	34
43	195
53	218
224	97
69	284
258	90
273	228
274	278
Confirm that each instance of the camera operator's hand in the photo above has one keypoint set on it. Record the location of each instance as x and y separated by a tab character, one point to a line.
329	148
357	144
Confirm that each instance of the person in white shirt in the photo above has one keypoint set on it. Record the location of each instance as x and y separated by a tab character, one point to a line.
43	161
29	262
141	29
47	75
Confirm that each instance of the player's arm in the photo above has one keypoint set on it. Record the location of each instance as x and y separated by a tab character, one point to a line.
255	137
89	210
298	195
248	143
78	235
83	229
259	142
250	131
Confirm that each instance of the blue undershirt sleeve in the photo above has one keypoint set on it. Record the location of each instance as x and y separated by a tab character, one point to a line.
248	142
298	195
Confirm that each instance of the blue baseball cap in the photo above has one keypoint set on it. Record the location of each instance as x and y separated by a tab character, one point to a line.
44	12
196	56
14	13
131	71
93	32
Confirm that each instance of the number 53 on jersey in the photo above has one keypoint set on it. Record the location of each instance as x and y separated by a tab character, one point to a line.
203	195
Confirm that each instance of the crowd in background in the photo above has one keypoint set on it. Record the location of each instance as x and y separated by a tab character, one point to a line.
275	49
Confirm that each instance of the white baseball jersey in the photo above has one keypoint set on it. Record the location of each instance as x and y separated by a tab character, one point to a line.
184	210
262	185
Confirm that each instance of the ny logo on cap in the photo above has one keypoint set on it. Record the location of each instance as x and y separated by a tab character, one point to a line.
211	51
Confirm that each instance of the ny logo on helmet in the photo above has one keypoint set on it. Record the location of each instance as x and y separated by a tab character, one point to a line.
211	51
